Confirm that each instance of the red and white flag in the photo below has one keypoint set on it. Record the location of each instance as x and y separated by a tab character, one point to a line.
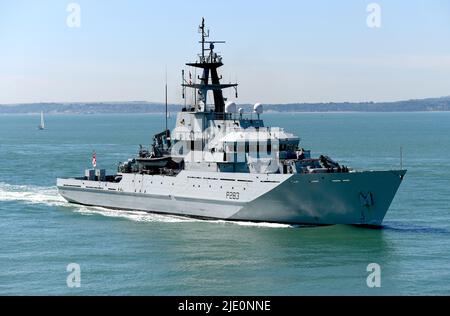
94	160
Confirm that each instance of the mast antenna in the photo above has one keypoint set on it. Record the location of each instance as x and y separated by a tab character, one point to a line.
205	33
166	102
209	62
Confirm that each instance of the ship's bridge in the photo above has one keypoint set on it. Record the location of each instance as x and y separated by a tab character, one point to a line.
274	134
242	145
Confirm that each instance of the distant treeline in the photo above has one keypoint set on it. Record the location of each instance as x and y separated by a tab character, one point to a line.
432	104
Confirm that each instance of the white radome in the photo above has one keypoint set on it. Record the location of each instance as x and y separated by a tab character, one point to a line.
230	107
241	110
258	108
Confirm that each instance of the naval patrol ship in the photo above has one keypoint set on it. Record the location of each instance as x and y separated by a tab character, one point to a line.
221	163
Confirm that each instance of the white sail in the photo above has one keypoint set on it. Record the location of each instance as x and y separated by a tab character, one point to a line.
42	125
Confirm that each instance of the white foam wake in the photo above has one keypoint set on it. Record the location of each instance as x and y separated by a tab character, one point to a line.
137	216
30	194
49	196
253	224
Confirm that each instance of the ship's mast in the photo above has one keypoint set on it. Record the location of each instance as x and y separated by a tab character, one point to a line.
209	61
165	92
204	35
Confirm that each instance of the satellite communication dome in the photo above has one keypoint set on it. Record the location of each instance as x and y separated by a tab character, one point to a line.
230	107
258	108
241	110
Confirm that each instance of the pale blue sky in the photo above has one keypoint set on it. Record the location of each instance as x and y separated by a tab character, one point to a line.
279	51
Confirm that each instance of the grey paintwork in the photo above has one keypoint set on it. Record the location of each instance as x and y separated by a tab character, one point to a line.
298	198
327	199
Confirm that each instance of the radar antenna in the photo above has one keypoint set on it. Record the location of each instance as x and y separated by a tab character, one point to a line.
209	63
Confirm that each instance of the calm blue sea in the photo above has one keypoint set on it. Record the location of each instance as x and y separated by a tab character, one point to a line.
122	253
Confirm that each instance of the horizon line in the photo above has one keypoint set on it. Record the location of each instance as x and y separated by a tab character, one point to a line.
244	103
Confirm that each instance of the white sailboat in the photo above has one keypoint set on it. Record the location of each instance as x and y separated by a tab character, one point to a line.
42	125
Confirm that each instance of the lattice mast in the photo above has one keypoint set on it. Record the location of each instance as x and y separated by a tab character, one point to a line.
208	61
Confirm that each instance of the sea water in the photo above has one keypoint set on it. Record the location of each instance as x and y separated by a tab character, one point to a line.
134	253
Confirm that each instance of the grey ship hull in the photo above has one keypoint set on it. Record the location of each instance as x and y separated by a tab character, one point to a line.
360	198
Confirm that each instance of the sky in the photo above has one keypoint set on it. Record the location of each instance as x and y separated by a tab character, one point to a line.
278	51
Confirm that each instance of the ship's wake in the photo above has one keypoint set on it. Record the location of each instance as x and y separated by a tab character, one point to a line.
136	216
31	194
140	216
28	194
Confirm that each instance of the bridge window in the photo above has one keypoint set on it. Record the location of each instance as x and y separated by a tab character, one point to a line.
240	147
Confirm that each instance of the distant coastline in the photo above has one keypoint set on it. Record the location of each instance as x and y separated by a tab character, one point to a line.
441	104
